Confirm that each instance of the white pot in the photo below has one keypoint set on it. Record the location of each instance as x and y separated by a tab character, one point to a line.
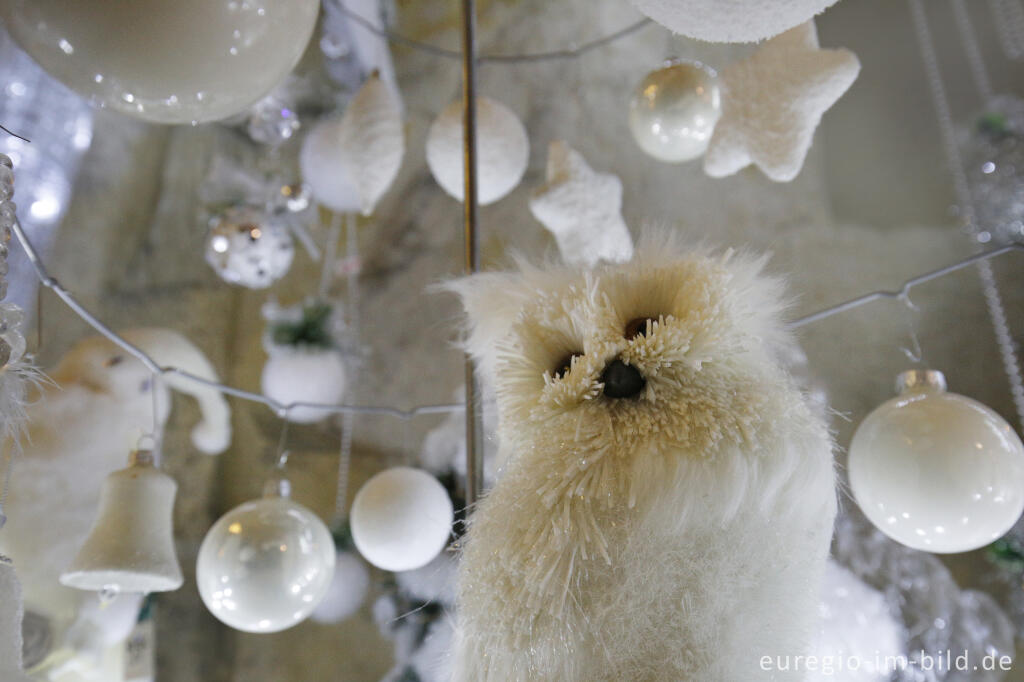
294	375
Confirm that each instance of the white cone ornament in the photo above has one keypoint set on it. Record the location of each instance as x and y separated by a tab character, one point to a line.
249	248
937	471
11	611
731	21
772	102
347	591
503	150
131	545
163	60
304	360
674	110
401	519
582	209
349	162
267	564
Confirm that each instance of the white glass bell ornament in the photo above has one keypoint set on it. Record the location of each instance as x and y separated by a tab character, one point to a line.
401	519
131	545
248	248
11	610
168	61
503	150
267	564
937	471
674	111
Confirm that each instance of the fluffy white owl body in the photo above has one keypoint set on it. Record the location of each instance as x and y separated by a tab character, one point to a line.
667	498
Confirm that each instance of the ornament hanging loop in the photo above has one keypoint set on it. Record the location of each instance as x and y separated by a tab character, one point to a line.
914	353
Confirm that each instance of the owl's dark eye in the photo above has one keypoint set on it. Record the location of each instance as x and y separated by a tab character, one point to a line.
637	327
113	361
563	366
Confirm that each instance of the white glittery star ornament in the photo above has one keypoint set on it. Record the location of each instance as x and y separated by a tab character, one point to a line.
582	209
773	101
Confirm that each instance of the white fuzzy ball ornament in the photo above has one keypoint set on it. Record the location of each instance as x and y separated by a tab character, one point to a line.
401	519
349	162
347	591
304	375
503	150
731	21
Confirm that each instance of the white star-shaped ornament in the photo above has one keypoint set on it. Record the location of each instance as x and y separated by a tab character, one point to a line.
773	100
582	209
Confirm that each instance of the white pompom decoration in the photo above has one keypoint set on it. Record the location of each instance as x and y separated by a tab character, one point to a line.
503	150
307	375
735	21
434	582
401	519
347	591
349	162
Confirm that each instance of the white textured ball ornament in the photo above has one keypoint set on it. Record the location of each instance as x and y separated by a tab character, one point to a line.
401	519
731	21
347	591
265	565
503	150
247	248
350	161
168	61
674	111
307	375
937	471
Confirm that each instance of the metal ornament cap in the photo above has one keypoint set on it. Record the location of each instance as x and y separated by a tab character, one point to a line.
919	380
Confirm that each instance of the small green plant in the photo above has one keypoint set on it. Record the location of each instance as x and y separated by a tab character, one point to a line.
312	329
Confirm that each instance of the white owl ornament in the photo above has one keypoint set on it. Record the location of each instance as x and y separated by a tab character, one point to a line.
667	498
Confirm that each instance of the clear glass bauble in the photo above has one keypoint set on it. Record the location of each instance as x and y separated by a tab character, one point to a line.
168	61
265	565
937	471
248	248
674	111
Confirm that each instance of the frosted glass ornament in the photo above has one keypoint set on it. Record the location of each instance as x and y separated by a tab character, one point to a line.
937	471
735	21
351	161
401	519
131	545
247	248
674	111
11	610
347	591
503	150
309	375
265	565
168	61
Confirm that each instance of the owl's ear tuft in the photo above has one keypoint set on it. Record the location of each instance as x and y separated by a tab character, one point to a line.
492	302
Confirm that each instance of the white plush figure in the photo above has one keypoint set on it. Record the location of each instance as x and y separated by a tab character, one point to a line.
503	150
350	161
772	102
81	428
667	498
731	21
582	209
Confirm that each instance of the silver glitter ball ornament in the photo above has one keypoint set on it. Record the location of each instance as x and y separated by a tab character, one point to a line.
248	248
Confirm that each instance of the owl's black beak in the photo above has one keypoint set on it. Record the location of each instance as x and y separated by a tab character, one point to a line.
621	380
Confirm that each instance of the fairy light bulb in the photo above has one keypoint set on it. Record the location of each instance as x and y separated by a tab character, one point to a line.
674	111
937	471
267	564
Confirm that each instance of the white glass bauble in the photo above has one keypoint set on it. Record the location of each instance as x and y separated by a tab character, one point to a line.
735	21
503	150
347	592
168	61
248	248
674	111
265	565
401	519
937	471
293	375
